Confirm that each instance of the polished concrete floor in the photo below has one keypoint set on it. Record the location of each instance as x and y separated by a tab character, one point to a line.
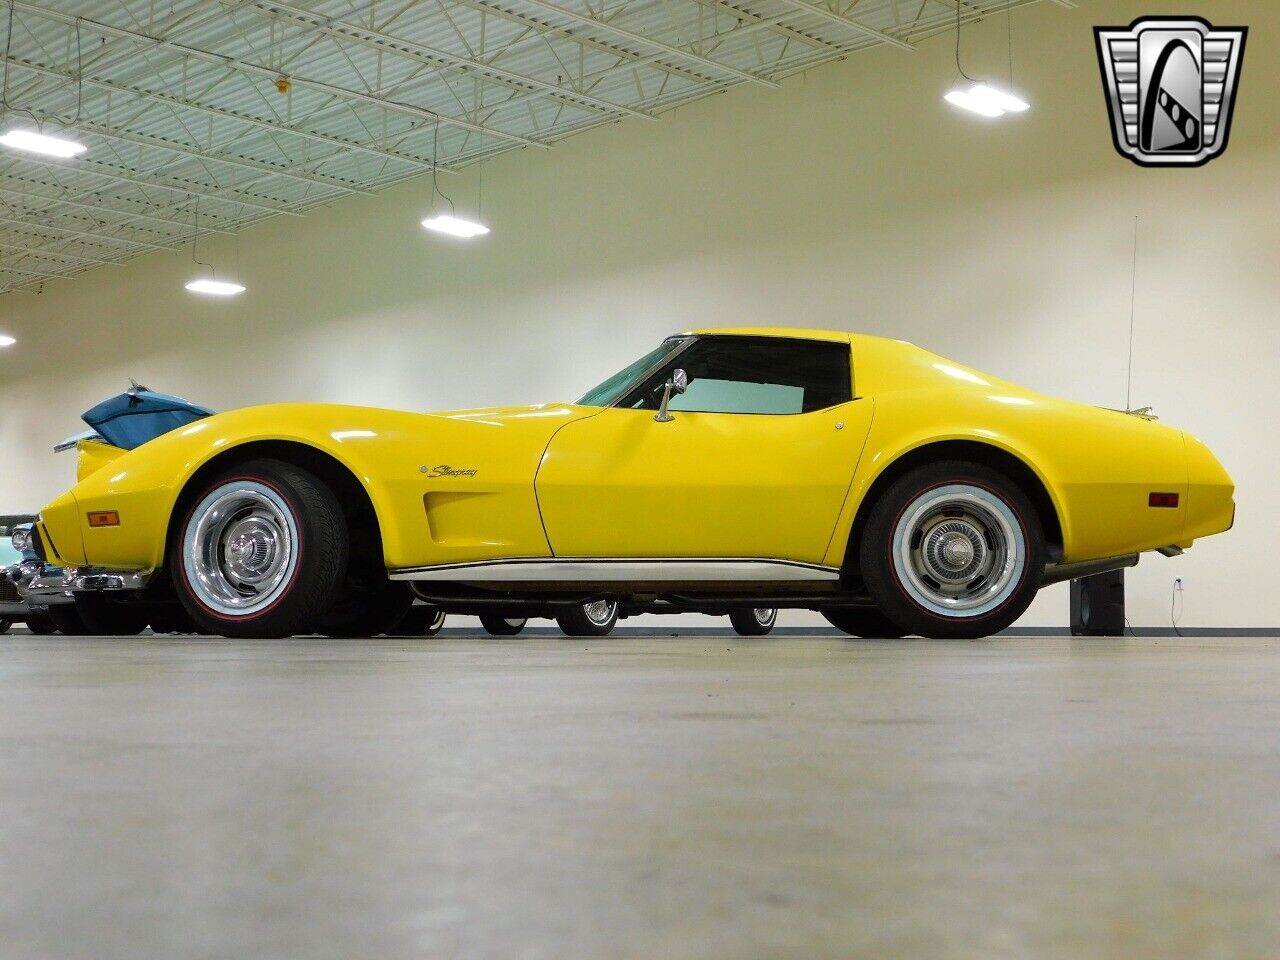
639	798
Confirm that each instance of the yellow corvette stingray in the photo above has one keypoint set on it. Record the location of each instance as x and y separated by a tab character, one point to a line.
889	488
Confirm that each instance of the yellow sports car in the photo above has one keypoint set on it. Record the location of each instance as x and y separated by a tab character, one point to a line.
890	489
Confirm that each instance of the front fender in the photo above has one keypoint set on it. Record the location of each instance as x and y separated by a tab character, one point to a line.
484	502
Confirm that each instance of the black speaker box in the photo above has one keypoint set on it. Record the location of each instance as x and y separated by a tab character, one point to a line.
1097	605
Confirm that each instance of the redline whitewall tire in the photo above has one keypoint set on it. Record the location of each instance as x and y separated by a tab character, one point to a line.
953	550
261	551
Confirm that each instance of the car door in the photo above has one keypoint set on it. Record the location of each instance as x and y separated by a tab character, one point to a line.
755	461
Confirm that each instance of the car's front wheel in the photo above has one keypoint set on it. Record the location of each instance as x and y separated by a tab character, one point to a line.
502	626
594	619
756	622
40	625
261	551
5	625
952	551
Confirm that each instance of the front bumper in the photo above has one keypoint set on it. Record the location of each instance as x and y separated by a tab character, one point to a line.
39	583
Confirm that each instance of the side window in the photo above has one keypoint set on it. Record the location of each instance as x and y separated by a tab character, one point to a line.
753	375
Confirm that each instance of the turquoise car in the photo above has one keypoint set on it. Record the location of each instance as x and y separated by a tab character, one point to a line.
13	609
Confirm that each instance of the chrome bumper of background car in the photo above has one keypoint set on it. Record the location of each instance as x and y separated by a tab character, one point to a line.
41	584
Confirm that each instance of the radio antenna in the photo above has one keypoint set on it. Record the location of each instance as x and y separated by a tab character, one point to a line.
1133	290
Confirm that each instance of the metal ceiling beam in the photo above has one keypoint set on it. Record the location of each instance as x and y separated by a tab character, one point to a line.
640	38
95	237
540	30
244	163
773	24
840	18
747	27
90	168
58	253
180	103
266	73
433	56
10	268
99	209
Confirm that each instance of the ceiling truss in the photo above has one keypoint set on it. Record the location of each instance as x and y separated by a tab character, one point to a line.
202	116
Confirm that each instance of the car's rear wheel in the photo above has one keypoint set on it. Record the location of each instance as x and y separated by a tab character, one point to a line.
594	619
756	622
502	626
952	551
5	625
261	552
866	622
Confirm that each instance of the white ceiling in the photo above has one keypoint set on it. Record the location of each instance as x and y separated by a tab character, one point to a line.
178	104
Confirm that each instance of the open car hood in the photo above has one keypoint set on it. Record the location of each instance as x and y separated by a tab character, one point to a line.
132	418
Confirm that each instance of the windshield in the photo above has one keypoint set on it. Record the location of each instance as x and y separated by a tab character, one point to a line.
621	383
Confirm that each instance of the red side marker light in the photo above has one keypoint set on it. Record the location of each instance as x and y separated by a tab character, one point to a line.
1162	500
104	518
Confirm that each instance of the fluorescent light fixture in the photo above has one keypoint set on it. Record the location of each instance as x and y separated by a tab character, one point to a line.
6	340
986	100
455	226
216	288
33	142
998	98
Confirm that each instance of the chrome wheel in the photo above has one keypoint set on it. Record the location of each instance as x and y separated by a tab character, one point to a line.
240	548
601	612
959	550
765	615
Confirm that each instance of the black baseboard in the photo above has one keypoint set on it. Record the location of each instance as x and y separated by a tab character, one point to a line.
660	631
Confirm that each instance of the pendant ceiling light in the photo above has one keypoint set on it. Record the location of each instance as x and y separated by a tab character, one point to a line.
985	99
210	285
28	140
33	141
449	223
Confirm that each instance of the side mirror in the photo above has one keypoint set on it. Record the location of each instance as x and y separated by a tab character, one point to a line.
678	383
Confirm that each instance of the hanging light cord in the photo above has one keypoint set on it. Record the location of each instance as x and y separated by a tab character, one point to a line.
1008	23
195	233
4	83
959	68
435	164
4	76
79	74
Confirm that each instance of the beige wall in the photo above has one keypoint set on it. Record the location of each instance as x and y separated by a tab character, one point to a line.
852	198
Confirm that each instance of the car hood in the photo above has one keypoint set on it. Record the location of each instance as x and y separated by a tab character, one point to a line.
130	419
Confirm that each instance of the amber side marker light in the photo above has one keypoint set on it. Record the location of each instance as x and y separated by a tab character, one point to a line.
1162	500
104	518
